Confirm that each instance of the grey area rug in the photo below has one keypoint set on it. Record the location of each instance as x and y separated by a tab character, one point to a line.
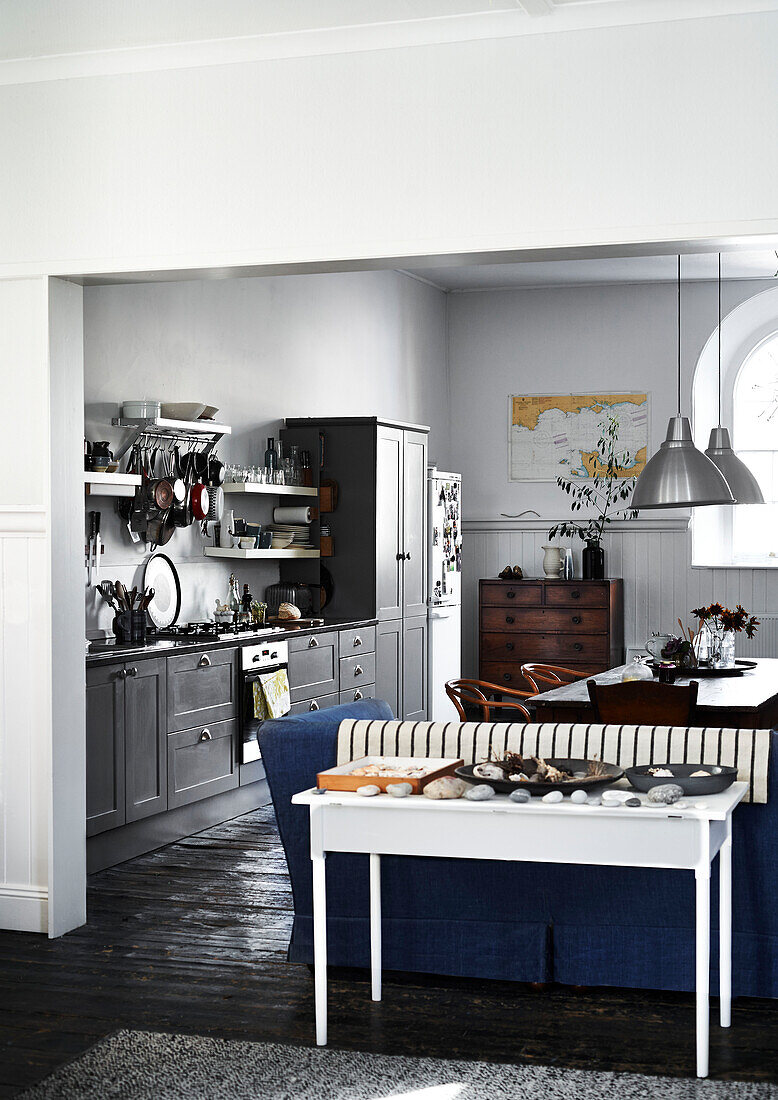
141	1065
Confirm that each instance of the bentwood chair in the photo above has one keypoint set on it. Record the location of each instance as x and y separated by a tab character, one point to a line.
542	677
641	702
475	702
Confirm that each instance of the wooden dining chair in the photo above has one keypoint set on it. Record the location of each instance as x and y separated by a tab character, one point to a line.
641	702
475	702
541	677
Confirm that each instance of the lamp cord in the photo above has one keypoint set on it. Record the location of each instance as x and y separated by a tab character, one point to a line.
719	339
679	334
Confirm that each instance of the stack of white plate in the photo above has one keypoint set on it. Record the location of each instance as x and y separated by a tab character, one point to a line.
297	534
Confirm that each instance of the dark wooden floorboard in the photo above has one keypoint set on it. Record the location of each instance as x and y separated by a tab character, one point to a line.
193	939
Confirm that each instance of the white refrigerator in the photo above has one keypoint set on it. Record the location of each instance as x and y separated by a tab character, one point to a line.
444	603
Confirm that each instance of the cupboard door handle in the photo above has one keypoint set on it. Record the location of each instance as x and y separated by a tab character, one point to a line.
509	619
204	661
507	676
408	556
205	735
314	705
121	674
132	671
578	647
401	557
312	644
509	645
511	595
358	695
358	670
575	594
357	642
576	619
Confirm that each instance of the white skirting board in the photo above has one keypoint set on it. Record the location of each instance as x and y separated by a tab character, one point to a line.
24	908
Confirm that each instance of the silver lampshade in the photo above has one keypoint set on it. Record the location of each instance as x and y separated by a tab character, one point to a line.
680	476
744	486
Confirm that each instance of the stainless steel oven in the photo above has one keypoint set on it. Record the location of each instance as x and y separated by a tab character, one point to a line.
255	661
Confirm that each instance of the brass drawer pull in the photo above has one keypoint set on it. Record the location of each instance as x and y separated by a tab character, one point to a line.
205	735
312	644
204	661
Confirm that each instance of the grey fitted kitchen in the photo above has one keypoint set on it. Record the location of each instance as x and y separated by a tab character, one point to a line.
329	607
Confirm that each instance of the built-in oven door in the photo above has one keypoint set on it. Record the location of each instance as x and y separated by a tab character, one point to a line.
249	723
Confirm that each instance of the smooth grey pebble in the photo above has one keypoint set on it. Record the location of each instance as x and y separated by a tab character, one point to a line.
594	800
522	797
369	790
553	796
579	797
632	802
480	793
399	790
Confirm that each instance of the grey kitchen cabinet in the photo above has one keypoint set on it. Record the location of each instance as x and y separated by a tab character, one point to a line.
390	550
202	762
126	767
357	670
353	695
145	731
104	750
202	688
414	667
313	666
356	639
414	541
389	664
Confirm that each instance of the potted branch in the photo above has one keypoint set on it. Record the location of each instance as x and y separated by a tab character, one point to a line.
605	492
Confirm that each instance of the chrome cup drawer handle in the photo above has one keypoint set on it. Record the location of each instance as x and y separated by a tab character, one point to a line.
314	705
312	643
204	661
205	735
358	695
358	670
357	642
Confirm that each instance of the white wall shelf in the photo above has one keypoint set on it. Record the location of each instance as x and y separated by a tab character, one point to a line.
223	552
269	490
110	485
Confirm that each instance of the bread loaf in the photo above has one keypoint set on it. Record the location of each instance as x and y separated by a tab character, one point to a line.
288	611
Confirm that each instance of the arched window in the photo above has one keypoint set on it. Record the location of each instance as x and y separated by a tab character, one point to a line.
755	440
746	534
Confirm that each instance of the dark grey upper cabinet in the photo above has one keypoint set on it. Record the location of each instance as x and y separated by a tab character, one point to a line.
145	733
390	553
201	688
414	509
104	750
414	669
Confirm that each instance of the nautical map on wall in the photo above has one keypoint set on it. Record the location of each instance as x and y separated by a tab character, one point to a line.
556	434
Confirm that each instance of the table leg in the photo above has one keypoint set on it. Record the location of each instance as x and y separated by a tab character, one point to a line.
375	925
702	876
320	947
725	929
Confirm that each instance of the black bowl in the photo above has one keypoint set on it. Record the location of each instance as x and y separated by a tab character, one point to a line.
719	779
543	786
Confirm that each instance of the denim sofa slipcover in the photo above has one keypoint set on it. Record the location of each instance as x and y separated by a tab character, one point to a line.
523	922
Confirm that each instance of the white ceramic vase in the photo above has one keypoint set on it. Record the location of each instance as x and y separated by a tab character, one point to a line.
226	540
553	561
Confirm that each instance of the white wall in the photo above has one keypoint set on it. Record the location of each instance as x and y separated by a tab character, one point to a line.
565	341
368	343
655	131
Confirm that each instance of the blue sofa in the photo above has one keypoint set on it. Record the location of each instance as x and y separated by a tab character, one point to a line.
526	922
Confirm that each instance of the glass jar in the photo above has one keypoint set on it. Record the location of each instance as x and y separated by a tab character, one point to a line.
638	670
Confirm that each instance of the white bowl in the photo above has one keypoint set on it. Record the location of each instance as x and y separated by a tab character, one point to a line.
140	410
182	410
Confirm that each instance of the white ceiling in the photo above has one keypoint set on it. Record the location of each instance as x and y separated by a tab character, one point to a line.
633	269
35	29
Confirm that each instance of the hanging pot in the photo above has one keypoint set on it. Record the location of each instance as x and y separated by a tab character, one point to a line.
198	499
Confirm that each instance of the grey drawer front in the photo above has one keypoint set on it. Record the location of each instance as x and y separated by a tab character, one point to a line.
201	688
320	702
199	766
313	668
353	695
357	670
360	639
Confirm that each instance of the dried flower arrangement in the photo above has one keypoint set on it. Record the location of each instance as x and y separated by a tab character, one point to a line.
532	769
720	618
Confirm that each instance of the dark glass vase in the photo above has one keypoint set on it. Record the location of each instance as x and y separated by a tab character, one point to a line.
593	562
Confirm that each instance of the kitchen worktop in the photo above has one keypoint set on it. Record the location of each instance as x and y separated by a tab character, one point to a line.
110	651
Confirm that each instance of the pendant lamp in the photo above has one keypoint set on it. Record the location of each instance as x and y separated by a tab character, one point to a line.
744	486
678	475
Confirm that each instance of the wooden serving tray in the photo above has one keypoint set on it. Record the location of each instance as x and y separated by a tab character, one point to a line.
342	779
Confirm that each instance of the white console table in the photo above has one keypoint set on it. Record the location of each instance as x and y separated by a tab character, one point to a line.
649	836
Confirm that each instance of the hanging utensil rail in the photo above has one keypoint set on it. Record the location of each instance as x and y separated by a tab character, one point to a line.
148	430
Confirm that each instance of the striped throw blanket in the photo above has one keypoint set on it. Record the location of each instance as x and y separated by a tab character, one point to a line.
747	749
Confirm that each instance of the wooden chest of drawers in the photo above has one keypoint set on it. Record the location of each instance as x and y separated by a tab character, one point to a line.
576	624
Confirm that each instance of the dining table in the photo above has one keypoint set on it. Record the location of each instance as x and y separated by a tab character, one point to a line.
748	700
